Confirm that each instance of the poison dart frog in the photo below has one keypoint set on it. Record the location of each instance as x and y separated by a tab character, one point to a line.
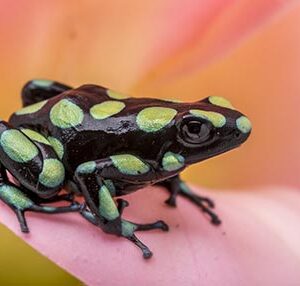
102	144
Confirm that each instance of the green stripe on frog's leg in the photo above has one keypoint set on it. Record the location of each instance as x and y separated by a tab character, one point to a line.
17	146
30	153
35	136
86	167
53	173
97	191
14	197
172	161
107	206
20	203
57	146
111	187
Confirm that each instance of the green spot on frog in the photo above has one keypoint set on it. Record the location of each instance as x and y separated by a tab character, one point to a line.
53	173
174	100
111	187
66	114
35	136
172	161
129	164
116	95
152	119
87	167
106	109
15	197
57	146
243	124
42	82
184	188
220	101
216	119
128	228
107	207
32	108
17	146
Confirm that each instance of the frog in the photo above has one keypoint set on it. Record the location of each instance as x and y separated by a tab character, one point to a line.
101	145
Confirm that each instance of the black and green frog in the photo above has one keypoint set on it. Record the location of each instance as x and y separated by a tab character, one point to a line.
102	144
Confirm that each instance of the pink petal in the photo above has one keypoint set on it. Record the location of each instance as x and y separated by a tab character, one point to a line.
257	244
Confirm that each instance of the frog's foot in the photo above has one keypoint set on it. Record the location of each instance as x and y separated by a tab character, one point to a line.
21	203
88	215
129	228
177	187
124	228
171	201
205	204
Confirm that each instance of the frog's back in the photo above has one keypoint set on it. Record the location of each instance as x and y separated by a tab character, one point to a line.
91	122
71	103
82	109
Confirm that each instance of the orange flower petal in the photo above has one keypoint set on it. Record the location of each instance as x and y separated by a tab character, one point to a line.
261	79
115	42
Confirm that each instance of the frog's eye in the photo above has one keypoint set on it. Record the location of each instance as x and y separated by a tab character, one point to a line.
195	132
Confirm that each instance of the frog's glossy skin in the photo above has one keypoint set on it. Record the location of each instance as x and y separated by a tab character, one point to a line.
103	144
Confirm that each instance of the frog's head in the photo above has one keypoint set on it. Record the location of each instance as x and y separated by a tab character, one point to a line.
210	127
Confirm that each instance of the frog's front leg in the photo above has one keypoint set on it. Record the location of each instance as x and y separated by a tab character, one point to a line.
30	158
96	180
177	187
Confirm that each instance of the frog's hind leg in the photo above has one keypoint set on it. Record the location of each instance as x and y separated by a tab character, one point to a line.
31	159
21	202
177	187
96	179
40	89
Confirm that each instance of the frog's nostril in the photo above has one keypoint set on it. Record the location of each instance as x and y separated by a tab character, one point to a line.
237	134
243	124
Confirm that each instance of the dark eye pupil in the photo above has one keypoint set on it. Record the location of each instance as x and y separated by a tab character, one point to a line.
196	132
194	128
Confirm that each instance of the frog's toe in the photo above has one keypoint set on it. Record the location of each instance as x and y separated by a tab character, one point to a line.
129	228
122	204
171	201
205	204
156	225
214	219
210	203
22	221
147	253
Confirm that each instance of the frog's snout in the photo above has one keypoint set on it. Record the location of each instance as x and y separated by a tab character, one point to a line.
243	128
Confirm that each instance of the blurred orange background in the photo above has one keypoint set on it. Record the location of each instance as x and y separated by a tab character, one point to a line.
116	45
